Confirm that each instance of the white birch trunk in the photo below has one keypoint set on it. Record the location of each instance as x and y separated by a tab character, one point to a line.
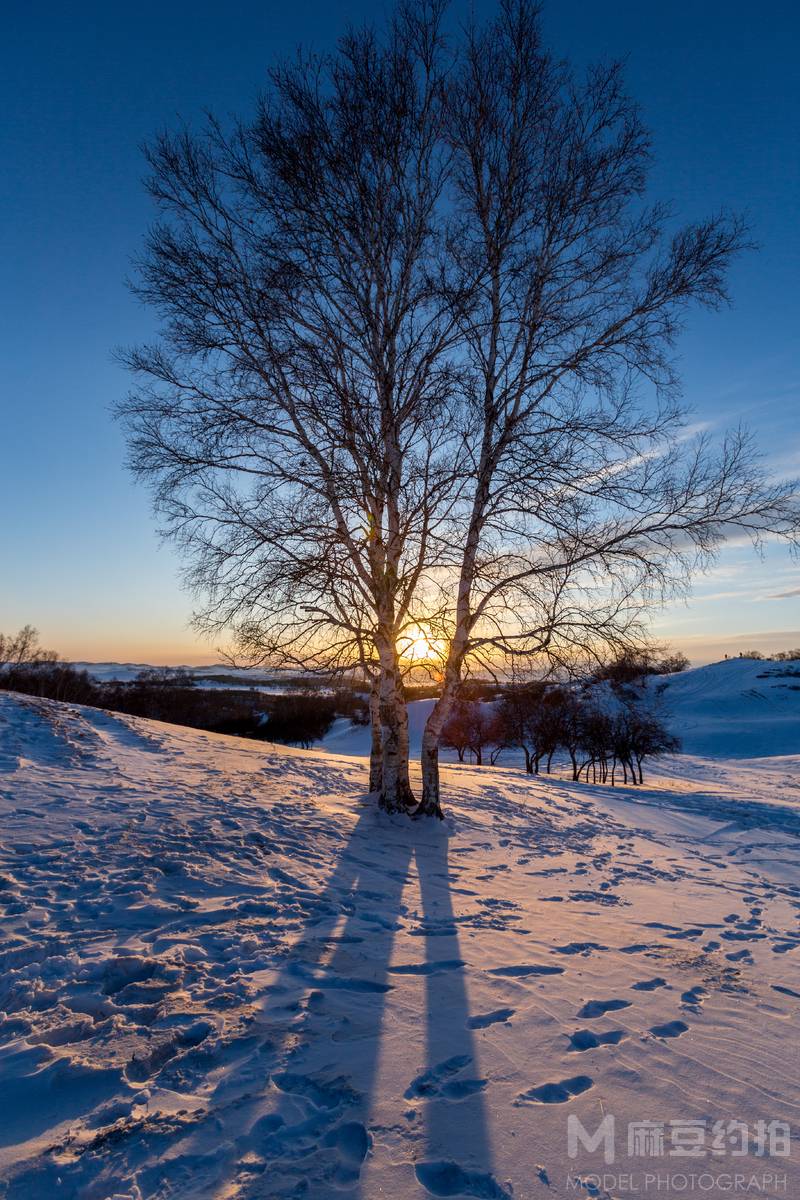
376	746
395	792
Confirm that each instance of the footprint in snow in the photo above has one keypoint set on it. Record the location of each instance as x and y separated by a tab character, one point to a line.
321	1096
430	931
784	947
483	1020
328	981
522	970
584	1039
450	1179
598	897
352	1143
440	1081
648	985
584	948
428	968
672	1029
597	1008
555	1093
693	998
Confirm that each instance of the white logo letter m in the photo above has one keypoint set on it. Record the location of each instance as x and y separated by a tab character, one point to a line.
603	1135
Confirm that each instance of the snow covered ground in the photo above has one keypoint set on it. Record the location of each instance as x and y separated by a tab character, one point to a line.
225	975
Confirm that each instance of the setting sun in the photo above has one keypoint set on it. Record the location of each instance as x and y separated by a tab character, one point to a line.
418	646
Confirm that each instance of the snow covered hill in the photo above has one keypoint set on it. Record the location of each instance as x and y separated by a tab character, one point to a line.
738	708
225	975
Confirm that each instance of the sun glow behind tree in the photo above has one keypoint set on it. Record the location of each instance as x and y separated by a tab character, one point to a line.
419	645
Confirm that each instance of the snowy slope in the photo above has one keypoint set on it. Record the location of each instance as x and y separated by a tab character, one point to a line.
738	708
346	738
225	975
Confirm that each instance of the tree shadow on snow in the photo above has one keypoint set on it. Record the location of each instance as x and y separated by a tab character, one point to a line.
327	1018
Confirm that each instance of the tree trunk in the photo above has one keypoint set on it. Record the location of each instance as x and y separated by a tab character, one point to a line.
430	804
395	794
376	747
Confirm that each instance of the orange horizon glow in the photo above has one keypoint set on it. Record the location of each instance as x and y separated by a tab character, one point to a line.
176	647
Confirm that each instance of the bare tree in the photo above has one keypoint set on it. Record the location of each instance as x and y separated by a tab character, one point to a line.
584	502
292	422
23	648
470	727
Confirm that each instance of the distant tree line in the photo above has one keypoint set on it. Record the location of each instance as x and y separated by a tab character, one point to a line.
170	694
779	656
606	726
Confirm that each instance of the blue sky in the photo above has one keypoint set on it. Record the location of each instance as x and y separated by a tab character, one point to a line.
83	86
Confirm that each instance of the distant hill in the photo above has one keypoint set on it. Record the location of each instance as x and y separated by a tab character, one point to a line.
213	675
737	708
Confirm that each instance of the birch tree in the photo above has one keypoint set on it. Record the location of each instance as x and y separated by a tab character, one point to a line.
586	500
292	419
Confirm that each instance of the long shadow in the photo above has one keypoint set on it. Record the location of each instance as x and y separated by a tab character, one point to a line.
458	1143
298	1100
308	1122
